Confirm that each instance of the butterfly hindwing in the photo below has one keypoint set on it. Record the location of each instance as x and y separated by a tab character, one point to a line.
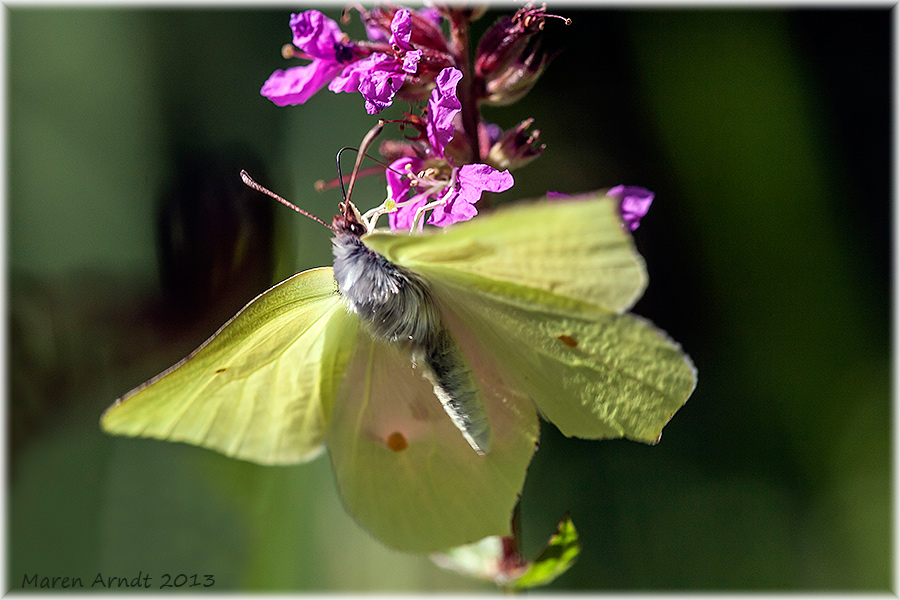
404	470
594	374
262	388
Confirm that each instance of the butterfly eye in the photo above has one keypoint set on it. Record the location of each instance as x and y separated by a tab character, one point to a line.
568	341
397	442
357	229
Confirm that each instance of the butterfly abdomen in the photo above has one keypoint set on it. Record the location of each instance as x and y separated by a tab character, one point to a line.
397	307
454	385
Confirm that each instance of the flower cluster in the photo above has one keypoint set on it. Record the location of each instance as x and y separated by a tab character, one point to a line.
376	68
449	156
417	184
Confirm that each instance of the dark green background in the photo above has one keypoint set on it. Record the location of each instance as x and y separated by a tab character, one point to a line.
766	136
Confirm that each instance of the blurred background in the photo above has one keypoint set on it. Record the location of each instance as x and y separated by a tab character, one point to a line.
766	137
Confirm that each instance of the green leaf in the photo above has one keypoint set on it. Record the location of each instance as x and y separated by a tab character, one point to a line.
557	558
498	559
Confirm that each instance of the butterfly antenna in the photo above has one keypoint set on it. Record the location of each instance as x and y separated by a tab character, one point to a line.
340	175
363	147
245	177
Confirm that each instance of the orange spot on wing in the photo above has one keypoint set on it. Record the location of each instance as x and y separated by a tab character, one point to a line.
568	341
397	442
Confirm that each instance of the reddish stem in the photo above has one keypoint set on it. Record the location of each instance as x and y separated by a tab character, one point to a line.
459	34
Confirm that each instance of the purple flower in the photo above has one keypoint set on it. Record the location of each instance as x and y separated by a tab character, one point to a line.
321	39
375	31
378	77
452	203
443	105
472	181
402	193
634	202
411	61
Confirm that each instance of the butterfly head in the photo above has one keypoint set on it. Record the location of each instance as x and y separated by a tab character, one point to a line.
349	221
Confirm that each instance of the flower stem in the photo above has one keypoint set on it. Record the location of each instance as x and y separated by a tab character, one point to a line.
459	33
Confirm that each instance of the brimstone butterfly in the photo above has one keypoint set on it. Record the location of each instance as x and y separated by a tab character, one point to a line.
422	361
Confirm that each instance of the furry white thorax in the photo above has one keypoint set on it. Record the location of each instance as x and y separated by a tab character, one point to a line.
394	304
397	307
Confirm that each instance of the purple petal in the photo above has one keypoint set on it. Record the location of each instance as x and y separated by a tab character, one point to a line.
403	218
490	131
453	212
634	203
377	77
399	191
315	34
442	107
483	178
472	181
350	76
379	88
297	84
376	33
401	29
411	61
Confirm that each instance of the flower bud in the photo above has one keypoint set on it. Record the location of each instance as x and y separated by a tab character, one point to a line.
516	148
509	58
498	46
505	41
511	84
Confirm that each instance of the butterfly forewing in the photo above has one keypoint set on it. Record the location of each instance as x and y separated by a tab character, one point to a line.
262	388
544	286
575	248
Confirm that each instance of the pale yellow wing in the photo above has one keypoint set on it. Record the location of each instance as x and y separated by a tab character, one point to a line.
544	285
404	470
262	388
592	373
575	248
